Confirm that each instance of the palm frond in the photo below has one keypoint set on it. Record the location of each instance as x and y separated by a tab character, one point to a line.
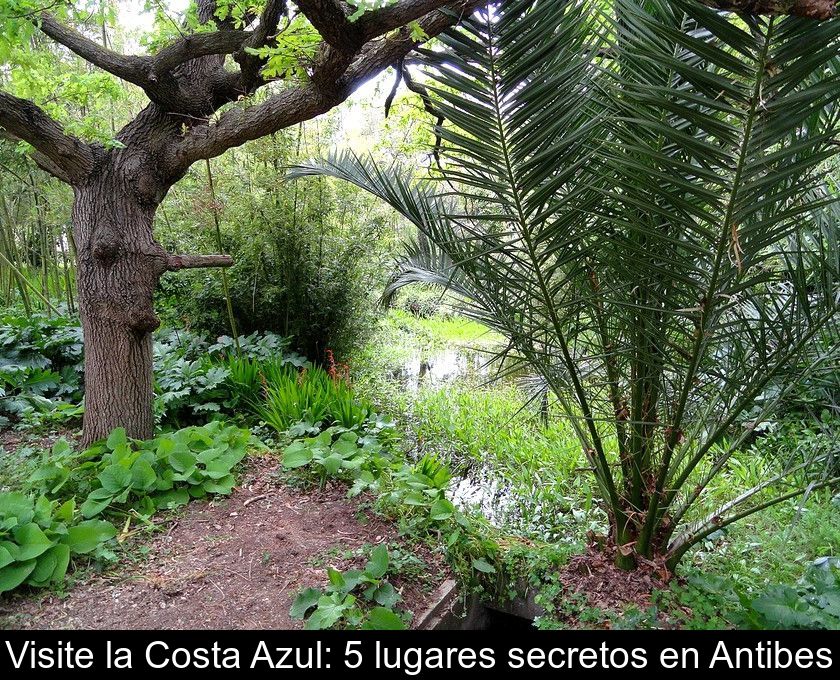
640	208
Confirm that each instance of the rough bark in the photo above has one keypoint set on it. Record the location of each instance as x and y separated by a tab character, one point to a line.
118	268
809	9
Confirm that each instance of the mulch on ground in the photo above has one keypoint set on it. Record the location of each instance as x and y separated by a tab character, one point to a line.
234	562
600	584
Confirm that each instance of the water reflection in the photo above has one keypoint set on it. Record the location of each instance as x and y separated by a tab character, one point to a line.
442	367
478	487
483	492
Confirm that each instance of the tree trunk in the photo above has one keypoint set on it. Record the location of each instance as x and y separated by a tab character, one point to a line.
119	264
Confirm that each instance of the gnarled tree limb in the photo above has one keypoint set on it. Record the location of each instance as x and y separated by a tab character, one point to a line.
329	19
63	155
198	45
131	68
375	24
293	105
143	71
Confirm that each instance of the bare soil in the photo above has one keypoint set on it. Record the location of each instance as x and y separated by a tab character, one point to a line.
13	440
234	562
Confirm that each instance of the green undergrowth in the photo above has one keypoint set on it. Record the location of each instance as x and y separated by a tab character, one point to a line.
356	598
78	502
540	491
410	493
534	509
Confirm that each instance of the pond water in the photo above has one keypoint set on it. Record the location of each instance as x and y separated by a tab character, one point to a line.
442	367
480	488
484	492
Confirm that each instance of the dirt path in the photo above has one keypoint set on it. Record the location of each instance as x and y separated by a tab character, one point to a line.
236	562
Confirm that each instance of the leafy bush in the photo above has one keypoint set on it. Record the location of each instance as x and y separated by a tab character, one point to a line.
814	603
370	608
188	383
195	379
40	369
122	474
40	341
38	533
338	453
42	375
37	538
414	494
309	280
167	471
313	396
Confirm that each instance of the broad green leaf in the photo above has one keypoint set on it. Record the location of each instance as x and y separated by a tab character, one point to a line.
116	438
172	498
332	463
329	611
16	504
32	541
297	456
221	486
305	600
96	502
386	595
381	618
482	565
143	476
182	460
378	563
442	509
86	536
13	575
115	478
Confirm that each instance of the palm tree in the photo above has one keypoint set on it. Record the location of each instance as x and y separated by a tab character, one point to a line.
632	194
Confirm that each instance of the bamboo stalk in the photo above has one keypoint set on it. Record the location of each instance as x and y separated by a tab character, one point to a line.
225	286
22	278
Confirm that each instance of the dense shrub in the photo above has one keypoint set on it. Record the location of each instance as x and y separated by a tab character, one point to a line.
315	293
195	379
41	372
309	260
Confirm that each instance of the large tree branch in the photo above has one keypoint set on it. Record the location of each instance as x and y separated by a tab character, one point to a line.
293	105
154	74
143	70
60	154
134	69
329	19
197	45
379	22
176	263
810	9
204	89
379	54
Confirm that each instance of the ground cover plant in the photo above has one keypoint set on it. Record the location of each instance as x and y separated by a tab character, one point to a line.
371	607
62	510
38	536
40	368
